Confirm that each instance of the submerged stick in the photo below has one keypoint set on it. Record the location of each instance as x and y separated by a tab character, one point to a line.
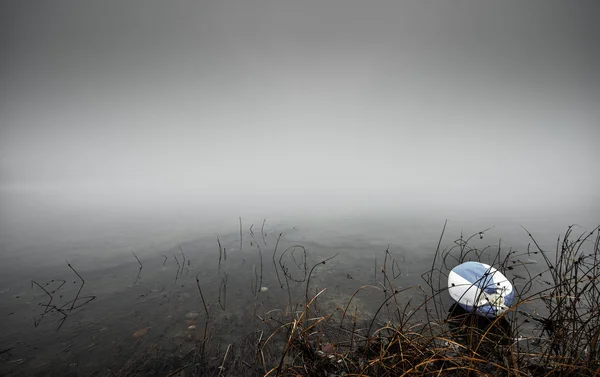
375	265
240	233
36	323
138	259
178	266
223	292
254	281
275	264
203	355
139	270
262	232
261	267
137	277
60	286
183	255
287	284
80	288
286	270
220	252
396	265
48	309
310	273
202	297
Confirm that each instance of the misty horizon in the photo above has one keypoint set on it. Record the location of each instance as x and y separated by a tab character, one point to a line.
448	104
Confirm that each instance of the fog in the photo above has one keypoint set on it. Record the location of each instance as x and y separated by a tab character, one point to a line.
302	107
151	148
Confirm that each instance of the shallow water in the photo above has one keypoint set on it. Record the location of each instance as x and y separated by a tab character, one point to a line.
121	308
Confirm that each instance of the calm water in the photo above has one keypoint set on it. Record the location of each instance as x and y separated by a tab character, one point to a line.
122	308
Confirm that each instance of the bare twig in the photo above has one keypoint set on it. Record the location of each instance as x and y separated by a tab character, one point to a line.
202	296
274	264
138	259
241	238
80	288
222	367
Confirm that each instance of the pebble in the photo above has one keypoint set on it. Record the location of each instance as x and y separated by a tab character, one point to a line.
192	315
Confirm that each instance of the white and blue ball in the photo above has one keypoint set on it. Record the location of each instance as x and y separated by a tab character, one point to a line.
480	288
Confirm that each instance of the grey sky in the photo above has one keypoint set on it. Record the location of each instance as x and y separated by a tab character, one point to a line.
432	102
